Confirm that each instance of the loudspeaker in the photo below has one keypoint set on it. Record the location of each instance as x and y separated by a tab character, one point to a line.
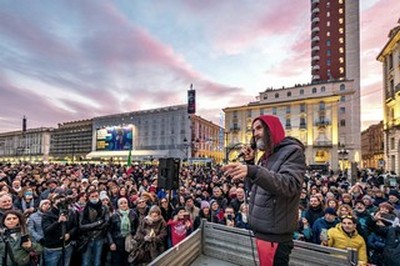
168	173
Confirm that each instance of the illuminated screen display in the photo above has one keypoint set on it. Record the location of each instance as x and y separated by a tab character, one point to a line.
114	139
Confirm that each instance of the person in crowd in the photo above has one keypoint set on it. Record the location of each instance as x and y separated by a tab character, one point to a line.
219	197
315	210
321	226
242	217
365	221
59	228
393	199
239	200
344	235
347	199
379	196
150	237
93	225
332	203
344	210
217	213
180	226
205	213
51	188
229	217
191	208
142	208
276	183
369	204
6	203
27	203
166	209
123	222
304	199
80	204
17	247
35	221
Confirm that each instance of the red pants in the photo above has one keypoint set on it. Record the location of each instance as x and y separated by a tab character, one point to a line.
273	253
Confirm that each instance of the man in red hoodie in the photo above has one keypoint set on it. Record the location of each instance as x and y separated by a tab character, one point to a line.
275	183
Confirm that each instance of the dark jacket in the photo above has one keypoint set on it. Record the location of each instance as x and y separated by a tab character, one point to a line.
52	229
276	184
114	232
96	228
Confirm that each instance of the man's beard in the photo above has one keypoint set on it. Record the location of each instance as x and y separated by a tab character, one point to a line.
260	144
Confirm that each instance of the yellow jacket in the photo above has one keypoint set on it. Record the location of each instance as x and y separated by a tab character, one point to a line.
338	238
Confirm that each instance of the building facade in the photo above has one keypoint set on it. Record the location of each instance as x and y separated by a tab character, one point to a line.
390	58
71	141
150	134
315	114
31	145
372	147
335	55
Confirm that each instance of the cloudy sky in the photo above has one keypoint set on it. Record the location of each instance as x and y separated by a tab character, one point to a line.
69	60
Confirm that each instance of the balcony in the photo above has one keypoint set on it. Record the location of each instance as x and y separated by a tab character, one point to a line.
315	48
315	20
322	123
316	67
322	143
315	39
315	2
315	58
315	10
316	77
315	30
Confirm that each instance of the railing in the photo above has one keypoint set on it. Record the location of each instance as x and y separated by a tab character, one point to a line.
237	246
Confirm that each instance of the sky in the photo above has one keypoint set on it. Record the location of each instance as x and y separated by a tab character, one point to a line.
68	60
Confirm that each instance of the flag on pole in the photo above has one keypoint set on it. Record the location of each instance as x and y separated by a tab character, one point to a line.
129	162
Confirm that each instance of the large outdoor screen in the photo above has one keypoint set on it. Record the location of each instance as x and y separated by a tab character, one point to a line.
114	138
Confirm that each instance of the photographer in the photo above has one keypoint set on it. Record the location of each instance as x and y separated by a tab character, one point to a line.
180	226
229	217
16	246
59	227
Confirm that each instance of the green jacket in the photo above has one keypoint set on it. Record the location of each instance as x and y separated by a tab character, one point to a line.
20	254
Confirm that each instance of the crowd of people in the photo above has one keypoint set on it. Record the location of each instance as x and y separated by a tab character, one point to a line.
103	214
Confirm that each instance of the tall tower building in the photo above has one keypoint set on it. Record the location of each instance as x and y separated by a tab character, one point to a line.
335	55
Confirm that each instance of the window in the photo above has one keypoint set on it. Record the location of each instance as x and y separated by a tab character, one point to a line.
289	94
328	33
392	143
342	87
262	111
323	89
341	20
249	113
328	14
342	98
341	60
340	1
321	106
328	62
301	92
328	4
274	110
390	59
302	107
265	97
288	124
314	90
340	10
288	109
328	23
302	122
235	114
341	40
342	110
276	95
341	30
341	70
342	122
341	50
328	43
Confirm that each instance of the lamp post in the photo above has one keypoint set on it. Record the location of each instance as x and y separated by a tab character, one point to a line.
342	153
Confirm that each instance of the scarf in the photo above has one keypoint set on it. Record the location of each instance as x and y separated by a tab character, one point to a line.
125	223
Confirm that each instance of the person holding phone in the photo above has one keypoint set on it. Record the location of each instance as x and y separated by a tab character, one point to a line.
16	245
180	226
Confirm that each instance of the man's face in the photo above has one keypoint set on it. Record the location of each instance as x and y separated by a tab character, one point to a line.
240	193
16	184
189	203
217	192
314	202
330	217
360	207
5	202
258	133
393	198
348	225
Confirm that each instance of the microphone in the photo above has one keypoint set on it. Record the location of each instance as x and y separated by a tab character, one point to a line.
253	146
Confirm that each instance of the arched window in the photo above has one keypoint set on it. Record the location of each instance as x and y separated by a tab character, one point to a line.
321	106
342	87
276	95
323	89
301	92
314	90
289	94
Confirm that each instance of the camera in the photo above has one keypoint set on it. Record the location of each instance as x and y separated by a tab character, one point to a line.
229	217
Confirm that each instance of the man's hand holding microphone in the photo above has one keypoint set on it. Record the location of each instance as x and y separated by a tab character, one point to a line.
238	171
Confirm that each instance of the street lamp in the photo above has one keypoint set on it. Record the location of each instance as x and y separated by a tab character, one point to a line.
342	153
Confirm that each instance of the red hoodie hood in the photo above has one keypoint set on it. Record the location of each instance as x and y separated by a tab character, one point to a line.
275	127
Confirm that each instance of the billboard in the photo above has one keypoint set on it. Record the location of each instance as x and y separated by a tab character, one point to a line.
114	138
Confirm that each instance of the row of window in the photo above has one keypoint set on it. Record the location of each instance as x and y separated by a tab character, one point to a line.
301	92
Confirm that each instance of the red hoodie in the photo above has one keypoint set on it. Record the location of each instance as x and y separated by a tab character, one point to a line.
275	127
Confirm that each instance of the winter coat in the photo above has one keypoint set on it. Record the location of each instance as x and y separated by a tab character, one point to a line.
52	229
319	225
97	228
338	238
20	255
114	231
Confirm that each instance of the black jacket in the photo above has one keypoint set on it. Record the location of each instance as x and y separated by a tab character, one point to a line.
276	185
53	230
97	228
114	231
